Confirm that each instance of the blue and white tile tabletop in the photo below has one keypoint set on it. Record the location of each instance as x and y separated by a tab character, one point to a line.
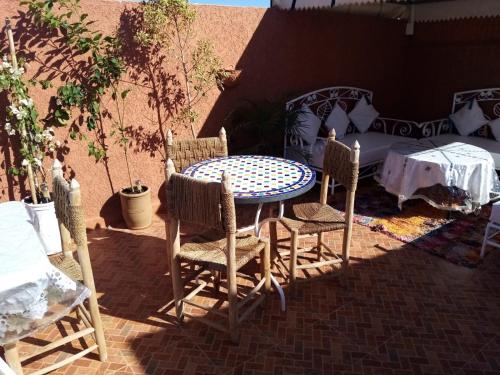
257	179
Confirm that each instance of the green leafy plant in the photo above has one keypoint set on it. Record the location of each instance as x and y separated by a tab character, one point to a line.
89	83
168	25
22	125
259	127
120	131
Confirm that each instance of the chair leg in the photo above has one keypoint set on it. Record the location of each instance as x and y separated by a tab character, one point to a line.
273	236
99	331
346	245
233	305
294	239
12	358
486	234
266	264
217	279
178	288
320	246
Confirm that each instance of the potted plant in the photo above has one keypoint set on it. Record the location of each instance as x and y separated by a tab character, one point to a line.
33	142
259	128
135	199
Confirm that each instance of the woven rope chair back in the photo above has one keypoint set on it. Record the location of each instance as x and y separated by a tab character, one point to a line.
70	215
337	163
200	202
187	152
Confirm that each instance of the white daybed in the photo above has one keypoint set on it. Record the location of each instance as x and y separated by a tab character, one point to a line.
485	136
374	142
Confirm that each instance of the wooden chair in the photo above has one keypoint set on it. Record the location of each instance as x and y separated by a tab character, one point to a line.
186	152
341	163
211	205
492	231
69	212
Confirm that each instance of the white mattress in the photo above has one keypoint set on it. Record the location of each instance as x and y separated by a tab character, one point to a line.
373	147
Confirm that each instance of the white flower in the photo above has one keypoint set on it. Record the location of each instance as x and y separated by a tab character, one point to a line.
8	129
25	163
16	112
37	162
38	138
48	135
27	102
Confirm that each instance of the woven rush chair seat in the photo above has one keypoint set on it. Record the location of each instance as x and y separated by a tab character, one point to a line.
310	218
341	163
210	250
221	251
68	265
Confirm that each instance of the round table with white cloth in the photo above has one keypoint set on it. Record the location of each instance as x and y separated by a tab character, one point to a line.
410	166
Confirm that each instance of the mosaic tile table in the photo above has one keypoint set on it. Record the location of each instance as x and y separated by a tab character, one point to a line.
257	180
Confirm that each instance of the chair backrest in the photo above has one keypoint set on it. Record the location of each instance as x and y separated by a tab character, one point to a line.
186	152
208	204
69	212
341	163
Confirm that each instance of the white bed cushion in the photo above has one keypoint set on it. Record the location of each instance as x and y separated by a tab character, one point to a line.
373	147
489	145
16	235
308	125
495	128
363	114
469	118
338	120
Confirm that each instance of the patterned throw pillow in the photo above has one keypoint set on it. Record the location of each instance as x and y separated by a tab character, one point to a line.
495	128
308	125
469	118
363	115
338	120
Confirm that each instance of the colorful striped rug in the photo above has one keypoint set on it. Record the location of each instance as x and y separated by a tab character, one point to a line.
450	235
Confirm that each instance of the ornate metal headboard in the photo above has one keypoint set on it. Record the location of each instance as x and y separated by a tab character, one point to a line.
322	101
489	100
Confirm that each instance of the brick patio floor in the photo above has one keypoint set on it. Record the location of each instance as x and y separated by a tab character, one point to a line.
401	311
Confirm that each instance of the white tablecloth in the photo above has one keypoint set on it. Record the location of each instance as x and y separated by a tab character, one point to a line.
412	165
33	293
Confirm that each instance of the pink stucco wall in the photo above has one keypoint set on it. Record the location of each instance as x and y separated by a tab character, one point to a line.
282	54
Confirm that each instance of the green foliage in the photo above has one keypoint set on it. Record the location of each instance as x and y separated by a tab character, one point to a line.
104	68
22	121
169	24
259	127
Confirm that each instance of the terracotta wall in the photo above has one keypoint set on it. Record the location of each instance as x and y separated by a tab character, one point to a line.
281	54
445	57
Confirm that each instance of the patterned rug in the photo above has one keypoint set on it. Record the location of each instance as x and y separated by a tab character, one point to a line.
450	235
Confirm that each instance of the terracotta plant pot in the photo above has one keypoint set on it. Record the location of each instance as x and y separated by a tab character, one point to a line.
136	208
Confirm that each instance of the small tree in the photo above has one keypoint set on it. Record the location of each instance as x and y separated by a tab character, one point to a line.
23	126
169	24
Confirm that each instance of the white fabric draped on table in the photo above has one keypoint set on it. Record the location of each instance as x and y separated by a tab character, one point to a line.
412	165
33	293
